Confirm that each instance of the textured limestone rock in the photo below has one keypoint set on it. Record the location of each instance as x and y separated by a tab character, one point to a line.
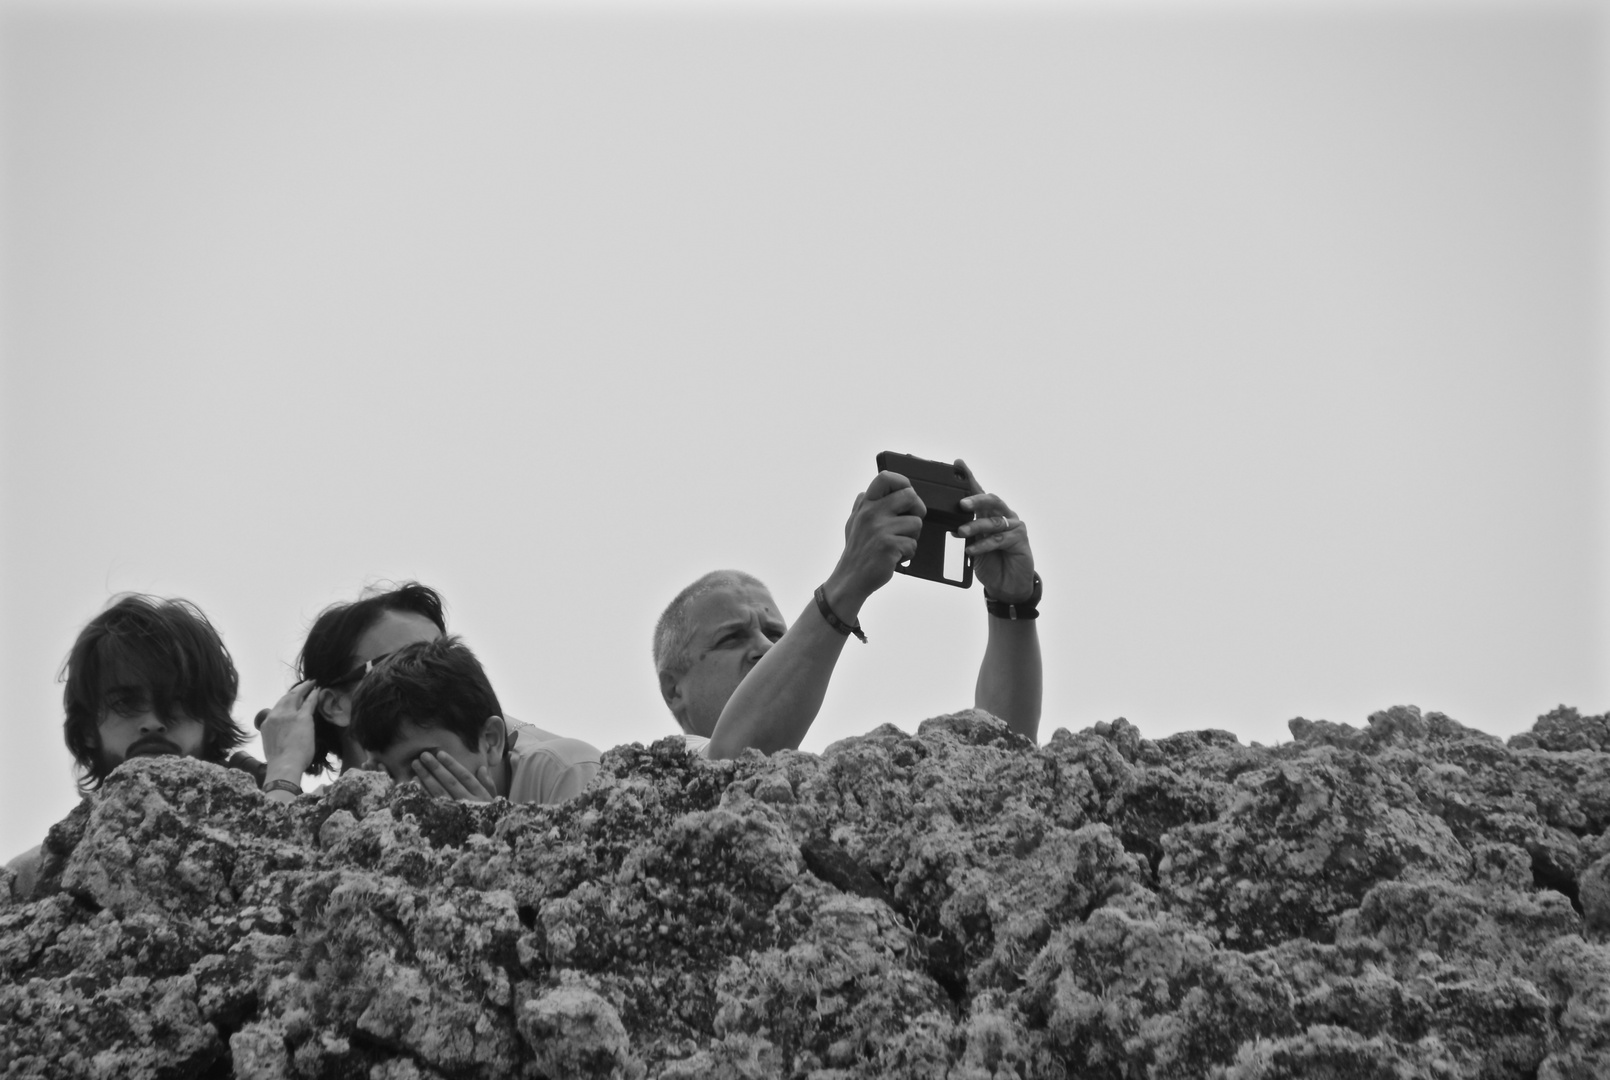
1406	899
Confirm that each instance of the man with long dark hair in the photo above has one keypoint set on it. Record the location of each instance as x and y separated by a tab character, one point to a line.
147	676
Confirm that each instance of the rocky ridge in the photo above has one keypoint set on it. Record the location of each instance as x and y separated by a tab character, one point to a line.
1408	899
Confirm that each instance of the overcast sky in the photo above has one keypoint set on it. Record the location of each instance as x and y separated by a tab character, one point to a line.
1280	330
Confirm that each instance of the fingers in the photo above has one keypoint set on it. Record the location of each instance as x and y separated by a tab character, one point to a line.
972	481
986	504
892	494
995	530
294	703
427	779
884	483
881	533
889	502
1009	537
443	774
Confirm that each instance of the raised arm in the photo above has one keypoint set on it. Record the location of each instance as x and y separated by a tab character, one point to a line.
288	740
1010	677
776	702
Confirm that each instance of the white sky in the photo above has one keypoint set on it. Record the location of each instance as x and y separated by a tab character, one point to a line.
1281	330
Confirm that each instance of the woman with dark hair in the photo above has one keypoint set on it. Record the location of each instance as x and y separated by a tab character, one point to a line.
310	729
307	730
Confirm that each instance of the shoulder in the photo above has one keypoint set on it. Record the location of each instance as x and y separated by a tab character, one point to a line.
26	869
570	751
550	770
521	729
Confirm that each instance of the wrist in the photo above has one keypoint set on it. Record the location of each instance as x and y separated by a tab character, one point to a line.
1012	607
844	598
834	619
283	768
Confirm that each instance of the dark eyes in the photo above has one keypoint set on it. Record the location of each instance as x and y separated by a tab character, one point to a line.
128	705
741	637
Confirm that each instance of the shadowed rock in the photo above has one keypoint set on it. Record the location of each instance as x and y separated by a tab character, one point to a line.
1409	898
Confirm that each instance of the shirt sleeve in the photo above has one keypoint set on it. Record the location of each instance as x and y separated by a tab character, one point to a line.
698	745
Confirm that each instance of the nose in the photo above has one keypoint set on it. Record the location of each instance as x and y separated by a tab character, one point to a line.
151	722
759	645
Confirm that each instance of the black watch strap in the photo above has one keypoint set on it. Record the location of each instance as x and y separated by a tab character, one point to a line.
1023	609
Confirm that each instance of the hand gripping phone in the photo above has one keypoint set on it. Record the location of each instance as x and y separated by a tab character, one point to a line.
941	487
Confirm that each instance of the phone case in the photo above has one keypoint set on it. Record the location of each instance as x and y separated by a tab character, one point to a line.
941	486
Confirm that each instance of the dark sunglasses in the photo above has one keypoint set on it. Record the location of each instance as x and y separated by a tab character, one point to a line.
357	674
353	676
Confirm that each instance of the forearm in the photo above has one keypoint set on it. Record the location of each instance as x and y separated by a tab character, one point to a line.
774	706
1009	679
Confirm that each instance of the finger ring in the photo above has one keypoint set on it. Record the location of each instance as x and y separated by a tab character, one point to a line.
1006	522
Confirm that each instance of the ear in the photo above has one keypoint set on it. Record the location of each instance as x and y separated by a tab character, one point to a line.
493	736
671	691
336	707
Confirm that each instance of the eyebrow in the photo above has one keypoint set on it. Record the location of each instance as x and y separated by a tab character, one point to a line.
730	624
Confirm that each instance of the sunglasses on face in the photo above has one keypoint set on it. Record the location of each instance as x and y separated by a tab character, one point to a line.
347	681
356	675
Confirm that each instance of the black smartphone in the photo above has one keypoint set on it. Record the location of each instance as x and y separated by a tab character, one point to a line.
941	486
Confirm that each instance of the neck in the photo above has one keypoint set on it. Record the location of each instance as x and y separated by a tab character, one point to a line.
352	755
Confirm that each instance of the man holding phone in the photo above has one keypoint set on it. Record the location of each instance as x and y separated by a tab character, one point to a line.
735	675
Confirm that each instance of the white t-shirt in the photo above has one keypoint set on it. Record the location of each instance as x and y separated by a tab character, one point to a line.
549	770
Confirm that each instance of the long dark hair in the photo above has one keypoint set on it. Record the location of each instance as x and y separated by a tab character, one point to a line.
327	654
163	650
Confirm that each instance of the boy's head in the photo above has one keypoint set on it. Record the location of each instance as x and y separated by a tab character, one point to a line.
432	696
148	676
344	637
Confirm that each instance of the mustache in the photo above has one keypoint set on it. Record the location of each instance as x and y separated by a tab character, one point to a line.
152	745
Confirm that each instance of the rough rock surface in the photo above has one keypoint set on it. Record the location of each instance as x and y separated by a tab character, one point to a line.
1410	899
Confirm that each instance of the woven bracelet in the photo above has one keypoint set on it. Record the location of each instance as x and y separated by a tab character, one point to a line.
833	620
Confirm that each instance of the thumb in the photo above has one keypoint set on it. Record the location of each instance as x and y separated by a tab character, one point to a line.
972	481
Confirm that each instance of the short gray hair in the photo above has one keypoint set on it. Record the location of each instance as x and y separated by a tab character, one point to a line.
672	632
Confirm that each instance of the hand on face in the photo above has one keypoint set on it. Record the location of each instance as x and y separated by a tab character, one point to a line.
880	535
288	729
442	775
998	543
